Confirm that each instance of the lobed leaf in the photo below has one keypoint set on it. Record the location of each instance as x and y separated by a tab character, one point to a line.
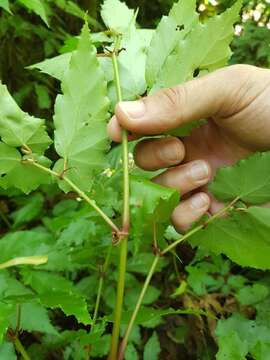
204	48
22	175
243	237
80	114
171	29
249	180
18	128
116	15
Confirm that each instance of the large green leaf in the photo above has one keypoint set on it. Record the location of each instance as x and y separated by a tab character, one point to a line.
34	317
132	62
18	128
150	204
152	201
237	337
243	237
70	303
170	31
55	66
249	180
205	48
116	15
9	158
80	114
57	292
37	6
25	176
24	243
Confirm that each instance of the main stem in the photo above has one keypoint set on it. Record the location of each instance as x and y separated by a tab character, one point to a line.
126	219
153	268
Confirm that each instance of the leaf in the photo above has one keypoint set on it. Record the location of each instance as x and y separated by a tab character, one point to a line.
9	157
5	311
80	114
171	29
131	352
77	233
34	317
17	128
24	244
116	15
152	348
251	295
55	291
5	5
147	314
71	304
209	53
55	66
7	351
30	211
29	260
132	62
152	201
243	237
249	180
37	7
25	176
102	346
237	337
150	204
43	281
44	101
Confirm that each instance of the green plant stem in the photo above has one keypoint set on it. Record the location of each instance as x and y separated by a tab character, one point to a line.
100	286
20	349
81	193
126	217
137	308
153	267
18	322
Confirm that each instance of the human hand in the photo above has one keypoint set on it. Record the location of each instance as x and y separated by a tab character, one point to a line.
236	102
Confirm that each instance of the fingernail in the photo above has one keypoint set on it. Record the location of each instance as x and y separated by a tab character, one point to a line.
170	152
199	171
134	109
199	201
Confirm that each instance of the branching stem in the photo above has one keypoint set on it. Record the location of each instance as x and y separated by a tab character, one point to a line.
81	193
153	268
126	219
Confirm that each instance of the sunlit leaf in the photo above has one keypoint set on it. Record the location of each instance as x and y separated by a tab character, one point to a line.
80	114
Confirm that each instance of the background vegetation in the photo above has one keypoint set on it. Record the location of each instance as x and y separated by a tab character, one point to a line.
212	284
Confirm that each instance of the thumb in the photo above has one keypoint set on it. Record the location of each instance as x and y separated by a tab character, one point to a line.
213	95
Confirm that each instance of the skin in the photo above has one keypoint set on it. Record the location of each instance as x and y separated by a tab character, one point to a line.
236	102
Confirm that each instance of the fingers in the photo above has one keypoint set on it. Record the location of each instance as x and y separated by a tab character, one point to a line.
187	177
209	96
157	154
189	211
